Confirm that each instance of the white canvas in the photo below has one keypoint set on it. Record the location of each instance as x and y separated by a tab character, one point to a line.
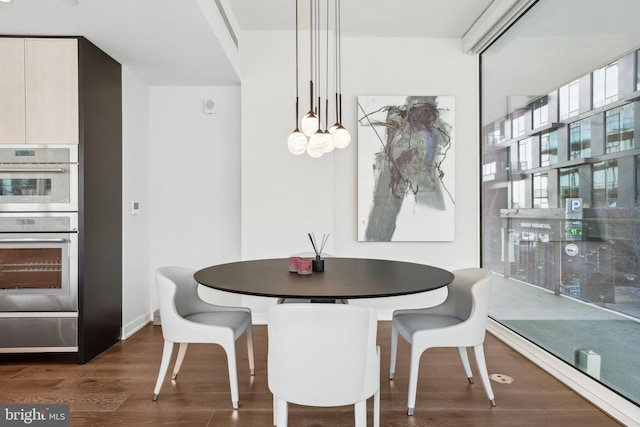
406	168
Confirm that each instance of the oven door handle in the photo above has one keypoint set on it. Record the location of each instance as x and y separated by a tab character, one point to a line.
32	240
16	170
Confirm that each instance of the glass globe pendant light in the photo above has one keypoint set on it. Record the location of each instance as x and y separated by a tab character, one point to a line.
341	137
319	142
297	142
330	144
311	136
316	145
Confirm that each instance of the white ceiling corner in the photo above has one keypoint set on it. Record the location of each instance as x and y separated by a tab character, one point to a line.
498	16
186	42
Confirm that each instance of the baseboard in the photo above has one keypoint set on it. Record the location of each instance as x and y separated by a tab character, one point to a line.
134	326
608	401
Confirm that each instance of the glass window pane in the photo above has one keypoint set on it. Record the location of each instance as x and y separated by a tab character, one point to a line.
540	112
569	185
580	139
637	70
611	87
574	99
549	148
525	154
517	124
598	88
563	95
518	194
584	242
540	190
619	129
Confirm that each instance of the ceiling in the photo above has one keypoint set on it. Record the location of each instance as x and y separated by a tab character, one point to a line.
185	42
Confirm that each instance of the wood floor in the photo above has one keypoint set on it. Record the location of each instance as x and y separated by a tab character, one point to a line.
116	388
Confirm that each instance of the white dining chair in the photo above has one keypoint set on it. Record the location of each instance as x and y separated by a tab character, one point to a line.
460	321
188	319
323	355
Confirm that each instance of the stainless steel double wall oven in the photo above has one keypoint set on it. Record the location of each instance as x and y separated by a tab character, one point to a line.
39	248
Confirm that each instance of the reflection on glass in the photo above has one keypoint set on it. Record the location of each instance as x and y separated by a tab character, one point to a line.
569	100
25	187
619	129
540	192
518	196
525	154
517	124
580	139
563	225
605	85
30	268
604	184
549	148
569	185
540	112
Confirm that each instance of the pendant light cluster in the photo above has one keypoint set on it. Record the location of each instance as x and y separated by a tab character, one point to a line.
314	134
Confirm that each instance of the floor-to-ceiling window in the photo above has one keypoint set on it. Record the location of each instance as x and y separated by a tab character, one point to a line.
560	98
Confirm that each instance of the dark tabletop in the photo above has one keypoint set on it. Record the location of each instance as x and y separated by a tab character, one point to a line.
342	278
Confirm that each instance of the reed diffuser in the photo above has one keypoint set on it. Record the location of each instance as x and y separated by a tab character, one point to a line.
318	263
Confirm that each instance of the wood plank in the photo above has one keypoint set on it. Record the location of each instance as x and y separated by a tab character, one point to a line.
116	388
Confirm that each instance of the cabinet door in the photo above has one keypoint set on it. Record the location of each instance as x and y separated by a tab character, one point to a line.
51	76
12	119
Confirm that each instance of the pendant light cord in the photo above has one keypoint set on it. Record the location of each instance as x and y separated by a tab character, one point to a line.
311	56
326	75
339	59
297	93
317	67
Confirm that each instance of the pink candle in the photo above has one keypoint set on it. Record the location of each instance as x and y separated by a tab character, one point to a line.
304	266
293	263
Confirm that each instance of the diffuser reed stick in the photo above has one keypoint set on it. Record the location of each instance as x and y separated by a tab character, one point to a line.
314	243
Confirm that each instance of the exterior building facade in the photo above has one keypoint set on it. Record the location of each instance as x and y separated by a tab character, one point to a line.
561	180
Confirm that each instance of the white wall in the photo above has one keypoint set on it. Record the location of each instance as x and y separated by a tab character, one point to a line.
194	177
223	187
136	230
416	67
183	168
285	196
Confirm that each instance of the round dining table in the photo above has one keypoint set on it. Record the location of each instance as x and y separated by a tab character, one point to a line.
342	279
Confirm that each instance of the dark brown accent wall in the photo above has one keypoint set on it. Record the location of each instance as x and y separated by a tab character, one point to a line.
100	201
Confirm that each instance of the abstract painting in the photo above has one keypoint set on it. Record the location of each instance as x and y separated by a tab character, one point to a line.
406	168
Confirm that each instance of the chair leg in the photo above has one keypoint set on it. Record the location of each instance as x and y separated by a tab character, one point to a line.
282	412
360	412
394	350
252	367
464	357
230	349
413	378
482	367
376	396
164	366
275	410
182	351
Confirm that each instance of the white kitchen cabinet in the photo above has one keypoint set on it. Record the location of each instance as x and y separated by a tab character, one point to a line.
12	101
43	104
51	80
